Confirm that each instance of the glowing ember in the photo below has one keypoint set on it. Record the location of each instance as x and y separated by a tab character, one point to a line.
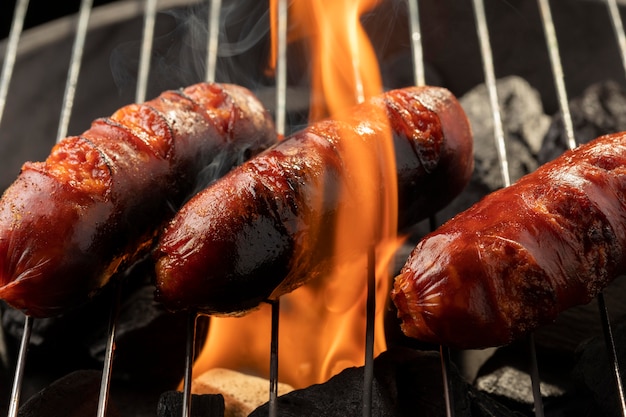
322	325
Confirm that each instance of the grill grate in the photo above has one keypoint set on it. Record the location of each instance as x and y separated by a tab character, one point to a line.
150	11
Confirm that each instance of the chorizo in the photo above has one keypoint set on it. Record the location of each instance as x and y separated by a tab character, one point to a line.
95	205
521	255
266	228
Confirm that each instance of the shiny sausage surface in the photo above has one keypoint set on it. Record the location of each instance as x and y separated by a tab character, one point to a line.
97	202
523	254
267	227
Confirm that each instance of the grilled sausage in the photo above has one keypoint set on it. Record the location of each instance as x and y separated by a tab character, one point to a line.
521	255
96	203
266	228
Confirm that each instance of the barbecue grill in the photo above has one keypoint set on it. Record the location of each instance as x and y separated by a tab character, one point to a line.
61	75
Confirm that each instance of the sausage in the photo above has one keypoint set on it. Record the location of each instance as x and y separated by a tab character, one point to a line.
266	228
95	205
522	254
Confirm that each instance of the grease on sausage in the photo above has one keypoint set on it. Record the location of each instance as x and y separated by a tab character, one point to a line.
521	255
95	205
266	228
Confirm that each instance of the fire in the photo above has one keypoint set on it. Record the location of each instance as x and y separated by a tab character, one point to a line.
322	324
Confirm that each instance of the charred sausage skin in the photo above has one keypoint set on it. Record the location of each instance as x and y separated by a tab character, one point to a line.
265	228
521	255
96	203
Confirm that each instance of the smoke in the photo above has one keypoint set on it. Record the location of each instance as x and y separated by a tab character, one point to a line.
223	162
179	51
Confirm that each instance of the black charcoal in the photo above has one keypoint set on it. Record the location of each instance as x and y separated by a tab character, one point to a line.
75	395
202	405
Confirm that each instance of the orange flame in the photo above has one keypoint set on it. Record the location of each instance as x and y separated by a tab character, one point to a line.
322	324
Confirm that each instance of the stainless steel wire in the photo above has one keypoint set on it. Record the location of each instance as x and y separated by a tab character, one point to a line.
107	370
557	70
370	312
213	40
17	24
15	32
612	352
618	27
417	52
273	397
418	65
444	354
559	80
74	67
140	96
190	353
490	81
210	76
70	89
535	380
14	401
147	40
419	78
281	68
280	123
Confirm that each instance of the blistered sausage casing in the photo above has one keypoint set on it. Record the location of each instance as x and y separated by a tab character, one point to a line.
523	254
266	228
96	204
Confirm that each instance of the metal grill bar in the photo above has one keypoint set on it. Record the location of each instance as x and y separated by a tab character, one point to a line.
553	49
190	353
15	32
140	95
68	100
444	354
500	143
74	68
14	402
370	307
147	39
107	370
273	406
213	40
490	80
280	122
281	68
487	55
557	70
534	376
616	20
419	78
417	51
618	27
612	351
210	76
17	24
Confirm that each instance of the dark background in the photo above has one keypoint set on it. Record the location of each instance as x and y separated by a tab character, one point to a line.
39	11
